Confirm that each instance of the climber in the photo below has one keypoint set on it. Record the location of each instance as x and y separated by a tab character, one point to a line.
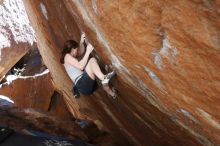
83	72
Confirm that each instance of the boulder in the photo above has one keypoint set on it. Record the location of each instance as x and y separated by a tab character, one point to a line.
166	54
16	34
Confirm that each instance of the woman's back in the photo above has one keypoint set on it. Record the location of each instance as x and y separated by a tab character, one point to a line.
72	71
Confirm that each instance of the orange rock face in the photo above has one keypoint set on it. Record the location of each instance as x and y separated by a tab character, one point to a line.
166	54
30	92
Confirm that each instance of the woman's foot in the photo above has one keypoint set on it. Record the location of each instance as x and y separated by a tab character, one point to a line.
115	94
108	77
83	39
111	92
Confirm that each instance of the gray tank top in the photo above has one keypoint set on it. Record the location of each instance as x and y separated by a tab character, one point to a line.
72	71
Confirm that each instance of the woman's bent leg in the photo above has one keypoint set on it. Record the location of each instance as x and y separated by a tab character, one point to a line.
93	69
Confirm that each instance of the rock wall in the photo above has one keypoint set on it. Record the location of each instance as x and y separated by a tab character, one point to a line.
16	34
38	91
27	118
166	54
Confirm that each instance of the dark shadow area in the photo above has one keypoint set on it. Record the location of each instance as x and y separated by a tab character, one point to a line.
29	65
9	137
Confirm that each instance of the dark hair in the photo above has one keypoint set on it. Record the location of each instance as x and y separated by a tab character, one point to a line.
68	45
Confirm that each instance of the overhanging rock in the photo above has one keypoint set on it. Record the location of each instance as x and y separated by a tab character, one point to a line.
167	58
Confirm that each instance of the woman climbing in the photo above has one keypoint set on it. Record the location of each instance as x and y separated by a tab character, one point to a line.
83	72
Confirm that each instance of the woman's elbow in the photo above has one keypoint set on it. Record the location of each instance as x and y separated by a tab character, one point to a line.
81	67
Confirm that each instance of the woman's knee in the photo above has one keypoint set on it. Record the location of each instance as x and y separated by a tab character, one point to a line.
90	63
93	59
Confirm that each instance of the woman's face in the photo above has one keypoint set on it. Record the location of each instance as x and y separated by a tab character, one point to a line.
74	52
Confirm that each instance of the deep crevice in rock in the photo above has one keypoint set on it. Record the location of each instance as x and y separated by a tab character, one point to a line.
29	65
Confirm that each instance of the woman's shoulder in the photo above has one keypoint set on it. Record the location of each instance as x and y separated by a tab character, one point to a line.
68	56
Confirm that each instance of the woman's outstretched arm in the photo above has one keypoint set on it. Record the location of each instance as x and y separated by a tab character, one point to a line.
82	48
84	60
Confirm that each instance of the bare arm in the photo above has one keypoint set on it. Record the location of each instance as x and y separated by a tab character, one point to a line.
82	63
82	48
84	60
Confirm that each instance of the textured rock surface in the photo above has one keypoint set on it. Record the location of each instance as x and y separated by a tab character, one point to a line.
41	121
166	54
29	91
16	34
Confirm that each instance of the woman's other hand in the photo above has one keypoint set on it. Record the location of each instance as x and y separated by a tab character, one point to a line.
89	48
83	37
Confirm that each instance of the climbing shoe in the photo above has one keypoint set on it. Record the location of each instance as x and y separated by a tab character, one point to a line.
108	77
75	92
115	93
